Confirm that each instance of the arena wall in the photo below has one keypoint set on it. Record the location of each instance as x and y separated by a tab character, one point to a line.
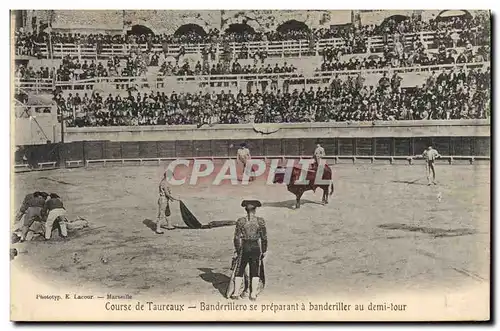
161	21
451	138
459	128
169	21
88	20
270	20
376	17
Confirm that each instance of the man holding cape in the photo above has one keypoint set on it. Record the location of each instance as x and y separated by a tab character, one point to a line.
165	196
250	243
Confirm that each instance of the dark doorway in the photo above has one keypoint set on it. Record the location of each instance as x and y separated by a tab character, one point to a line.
450	14
240	29
292	25
391	21
138	30
190	29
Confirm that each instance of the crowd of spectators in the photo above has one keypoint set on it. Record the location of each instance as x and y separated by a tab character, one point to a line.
457	93
409	52
26	43
223	68
414	24
74	69
476	30
71	68
409	57
451	33
451	94
23	72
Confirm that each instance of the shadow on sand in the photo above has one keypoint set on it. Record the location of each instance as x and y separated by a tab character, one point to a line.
409	182
290	204
214	224
218	280
210	225
436	232
150	224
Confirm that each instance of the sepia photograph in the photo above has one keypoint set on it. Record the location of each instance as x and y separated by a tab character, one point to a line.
250	165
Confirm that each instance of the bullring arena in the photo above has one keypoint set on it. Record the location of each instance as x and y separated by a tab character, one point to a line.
105	101
349	245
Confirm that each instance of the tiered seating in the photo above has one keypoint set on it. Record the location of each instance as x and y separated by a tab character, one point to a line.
458	94
405	72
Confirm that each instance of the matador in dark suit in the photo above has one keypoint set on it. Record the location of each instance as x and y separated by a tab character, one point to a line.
250	243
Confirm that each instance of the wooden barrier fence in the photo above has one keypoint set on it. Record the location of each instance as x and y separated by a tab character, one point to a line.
355	150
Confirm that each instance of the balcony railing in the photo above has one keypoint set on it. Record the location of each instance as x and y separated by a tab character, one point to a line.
235	81
297	48
35	84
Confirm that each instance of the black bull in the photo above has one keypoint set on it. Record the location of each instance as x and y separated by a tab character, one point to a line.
298	188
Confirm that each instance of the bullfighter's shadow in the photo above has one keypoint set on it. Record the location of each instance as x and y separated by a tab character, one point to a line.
218	280
150	224
290	204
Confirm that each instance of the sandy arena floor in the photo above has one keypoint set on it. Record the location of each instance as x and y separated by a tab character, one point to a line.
378	232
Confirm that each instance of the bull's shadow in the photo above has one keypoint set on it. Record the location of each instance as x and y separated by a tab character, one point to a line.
218	280
290	204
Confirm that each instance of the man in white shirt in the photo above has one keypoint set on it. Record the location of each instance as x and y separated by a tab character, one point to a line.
430	155
165	196
319	153
243	155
